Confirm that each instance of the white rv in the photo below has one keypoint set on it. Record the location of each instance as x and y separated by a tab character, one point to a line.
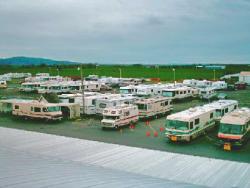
37	109
235	128
222	107
219	85
3	84
119	116
152	107
180	92
130	89
112	100
30	86
189	124
207	93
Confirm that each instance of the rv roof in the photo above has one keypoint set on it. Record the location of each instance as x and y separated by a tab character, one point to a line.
150	100
237	117
191	113
220	104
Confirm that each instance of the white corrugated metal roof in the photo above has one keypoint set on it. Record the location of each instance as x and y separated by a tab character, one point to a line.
114	158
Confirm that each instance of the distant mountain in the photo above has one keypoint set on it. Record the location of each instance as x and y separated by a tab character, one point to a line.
32	61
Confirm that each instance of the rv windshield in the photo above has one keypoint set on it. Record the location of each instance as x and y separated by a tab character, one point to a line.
231	129
124	91
111	117
168	93
180	125
54	109
142	106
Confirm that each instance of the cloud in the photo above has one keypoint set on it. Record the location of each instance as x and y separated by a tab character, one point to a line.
121	30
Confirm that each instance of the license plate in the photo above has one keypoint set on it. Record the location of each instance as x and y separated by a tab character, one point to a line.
227	146
173	138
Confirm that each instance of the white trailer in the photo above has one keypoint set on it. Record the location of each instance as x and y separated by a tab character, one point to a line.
189	124
222	107
112	101
118	116
30	86
130	89
180	92
207	93
219	85
153	107
37	109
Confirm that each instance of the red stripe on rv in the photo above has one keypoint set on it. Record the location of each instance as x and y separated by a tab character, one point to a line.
229	136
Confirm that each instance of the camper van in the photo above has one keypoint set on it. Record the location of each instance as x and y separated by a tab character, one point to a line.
180	92
3	84
30	86
153	107
37	109
207	93
119	116
234	128
112	100
222	107
189	124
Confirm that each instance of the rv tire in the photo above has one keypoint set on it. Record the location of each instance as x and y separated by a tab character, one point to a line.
116	126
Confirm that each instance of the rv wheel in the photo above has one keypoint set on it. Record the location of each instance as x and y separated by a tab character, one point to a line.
116	127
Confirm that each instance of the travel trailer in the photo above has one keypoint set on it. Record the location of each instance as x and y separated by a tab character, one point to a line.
118	116
180	92
234	128
151	89
130	89
112	101
222	107
30	86
207	93
37	109
3	84
189	124
153	107
219	85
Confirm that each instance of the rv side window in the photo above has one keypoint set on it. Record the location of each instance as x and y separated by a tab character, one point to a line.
16	107
226	110
71	100
45	110
93	102
235	107
36	109
96	86
152	90
196	121
126	113
211	115
191	125
102	105
166	103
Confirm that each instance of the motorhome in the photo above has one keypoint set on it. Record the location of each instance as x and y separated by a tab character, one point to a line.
151	89
37	109
207	93
219	85
130	89
153	107
180	92
30	86
112	101
118	116
222	107
3	84
189	124
234	128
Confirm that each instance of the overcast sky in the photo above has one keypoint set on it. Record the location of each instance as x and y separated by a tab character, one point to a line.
123	31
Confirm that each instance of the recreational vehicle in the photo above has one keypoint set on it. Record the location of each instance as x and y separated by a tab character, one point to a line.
207	93
119	116
112	101
37	109
234	128
219	85
3	84
189	124
222	107
180	92
30	86
153	107
130	89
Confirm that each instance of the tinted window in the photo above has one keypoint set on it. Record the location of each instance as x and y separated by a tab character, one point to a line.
36	109
16	107
196	121
211	115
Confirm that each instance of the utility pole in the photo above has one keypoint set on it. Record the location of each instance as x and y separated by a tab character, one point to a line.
82	86
120	72
174	75
214	74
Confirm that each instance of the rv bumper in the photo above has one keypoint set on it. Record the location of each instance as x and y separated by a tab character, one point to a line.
176	138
